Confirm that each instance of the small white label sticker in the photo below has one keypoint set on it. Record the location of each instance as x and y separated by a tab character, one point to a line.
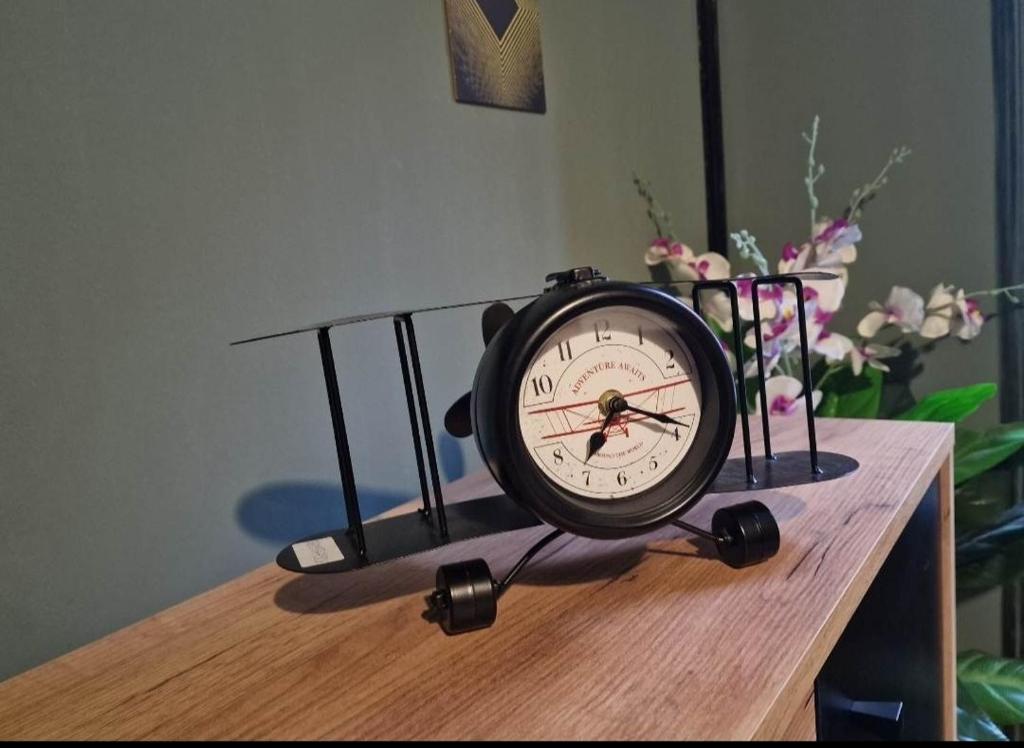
317	552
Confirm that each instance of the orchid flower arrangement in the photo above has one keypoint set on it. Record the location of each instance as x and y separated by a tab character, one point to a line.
850	374
885	332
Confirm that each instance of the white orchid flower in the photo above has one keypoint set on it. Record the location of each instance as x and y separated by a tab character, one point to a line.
835	243
939	312
783	329
663	250
716	305
829	293
903	308
767	297
784	397
685	265
971	317
946	314
872	355
794	259
832	345
772	356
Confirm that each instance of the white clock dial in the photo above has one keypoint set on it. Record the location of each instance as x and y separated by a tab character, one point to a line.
617	351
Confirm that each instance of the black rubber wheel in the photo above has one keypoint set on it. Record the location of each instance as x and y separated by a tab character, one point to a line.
465	598
748	534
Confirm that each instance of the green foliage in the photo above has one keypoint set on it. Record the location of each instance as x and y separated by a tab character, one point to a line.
851	396
971	722
991	556
950	405
981	499
995	685
897	395
976	452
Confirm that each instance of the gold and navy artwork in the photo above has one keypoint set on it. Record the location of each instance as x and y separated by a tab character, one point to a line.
495	52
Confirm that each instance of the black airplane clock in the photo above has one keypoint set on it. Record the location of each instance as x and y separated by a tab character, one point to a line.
603	409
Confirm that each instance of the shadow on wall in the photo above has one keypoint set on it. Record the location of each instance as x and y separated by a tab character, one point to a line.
283	512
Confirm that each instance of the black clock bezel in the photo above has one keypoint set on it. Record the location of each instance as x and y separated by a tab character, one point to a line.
495	413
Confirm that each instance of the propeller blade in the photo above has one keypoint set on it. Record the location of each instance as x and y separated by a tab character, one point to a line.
495	316
457	421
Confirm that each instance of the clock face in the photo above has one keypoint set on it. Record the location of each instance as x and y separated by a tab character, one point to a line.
571	394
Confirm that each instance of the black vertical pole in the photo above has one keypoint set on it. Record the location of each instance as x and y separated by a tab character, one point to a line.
348	480
755	291
404	360
740	381
1008	79
711	118
805	361
435	480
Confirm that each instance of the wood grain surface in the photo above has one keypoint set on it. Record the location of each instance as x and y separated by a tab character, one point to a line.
643	638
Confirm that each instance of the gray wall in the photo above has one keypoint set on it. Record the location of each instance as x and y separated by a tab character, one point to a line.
177	175
880	74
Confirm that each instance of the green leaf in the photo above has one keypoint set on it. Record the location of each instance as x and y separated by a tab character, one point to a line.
994	684
850	396
977	452
991	556
980	500
971	722
862	402
950	405
829	406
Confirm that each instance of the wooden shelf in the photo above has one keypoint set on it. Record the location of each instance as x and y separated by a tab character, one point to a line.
648	638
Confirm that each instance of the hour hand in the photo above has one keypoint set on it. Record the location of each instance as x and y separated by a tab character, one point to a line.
660	417
597	439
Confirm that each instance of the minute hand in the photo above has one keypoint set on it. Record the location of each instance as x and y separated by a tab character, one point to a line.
661	417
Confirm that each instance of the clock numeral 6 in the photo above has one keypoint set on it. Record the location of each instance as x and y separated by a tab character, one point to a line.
621	478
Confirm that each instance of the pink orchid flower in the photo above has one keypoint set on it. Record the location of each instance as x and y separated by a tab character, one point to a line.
784	396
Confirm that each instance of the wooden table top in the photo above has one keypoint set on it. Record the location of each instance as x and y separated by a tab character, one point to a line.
641	638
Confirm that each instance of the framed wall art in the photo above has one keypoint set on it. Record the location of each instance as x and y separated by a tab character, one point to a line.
495	53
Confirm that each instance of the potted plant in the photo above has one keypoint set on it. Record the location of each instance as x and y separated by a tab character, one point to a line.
867	374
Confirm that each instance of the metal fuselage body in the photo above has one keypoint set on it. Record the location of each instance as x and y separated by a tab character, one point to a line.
494	409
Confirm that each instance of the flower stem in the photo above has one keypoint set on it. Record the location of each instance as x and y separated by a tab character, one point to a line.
746	244
814	171
828	373
659	216
867	192
1006	291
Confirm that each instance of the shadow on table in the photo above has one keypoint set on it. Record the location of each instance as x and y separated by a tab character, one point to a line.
330	593
284	512
559	565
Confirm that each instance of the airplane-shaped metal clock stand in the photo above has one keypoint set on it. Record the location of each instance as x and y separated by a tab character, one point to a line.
466	595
